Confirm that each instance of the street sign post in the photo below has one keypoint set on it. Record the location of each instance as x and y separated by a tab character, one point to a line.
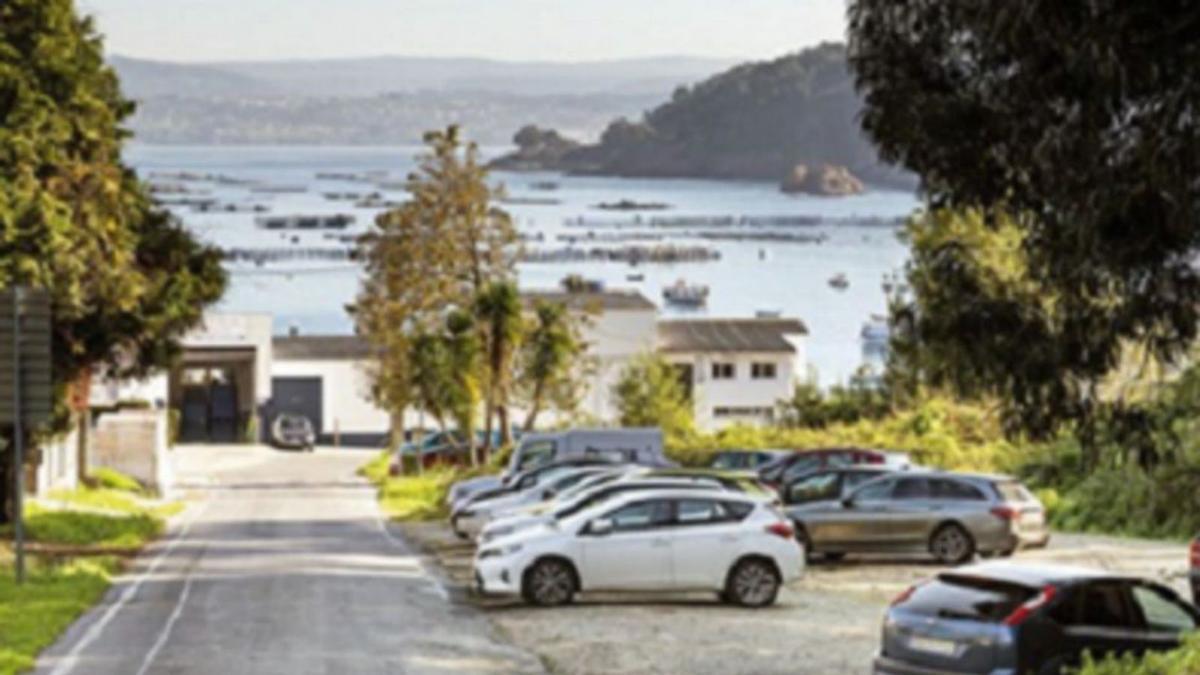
26	389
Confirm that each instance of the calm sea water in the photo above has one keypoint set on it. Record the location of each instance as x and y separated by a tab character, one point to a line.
789	278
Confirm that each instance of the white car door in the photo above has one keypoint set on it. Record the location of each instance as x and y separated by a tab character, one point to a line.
704	539
635	554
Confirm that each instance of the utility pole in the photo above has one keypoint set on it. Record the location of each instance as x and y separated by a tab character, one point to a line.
18	442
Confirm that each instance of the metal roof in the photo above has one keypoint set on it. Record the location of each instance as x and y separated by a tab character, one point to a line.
320	347
600	300
728	335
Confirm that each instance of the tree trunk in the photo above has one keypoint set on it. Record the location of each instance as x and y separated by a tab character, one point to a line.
81	390
535	405
505	430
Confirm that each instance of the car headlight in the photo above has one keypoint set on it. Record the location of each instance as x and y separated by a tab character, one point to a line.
465	513
498	532
499	551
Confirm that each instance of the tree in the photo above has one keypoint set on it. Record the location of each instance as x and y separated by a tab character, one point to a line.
463	356
549	354
435	252
498	310
431	377
1071	129
649	394
125	280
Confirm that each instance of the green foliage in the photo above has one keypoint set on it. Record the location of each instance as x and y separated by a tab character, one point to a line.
32	615
1183	661
104	477
419	497
82	528
650	394
498	310
810	407
1055	138
376	470
938	433
549	361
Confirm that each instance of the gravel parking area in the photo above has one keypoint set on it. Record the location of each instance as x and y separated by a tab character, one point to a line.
826	623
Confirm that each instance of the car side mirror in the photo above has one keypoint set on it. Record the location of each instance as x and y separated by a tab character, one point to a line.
600	527
548	493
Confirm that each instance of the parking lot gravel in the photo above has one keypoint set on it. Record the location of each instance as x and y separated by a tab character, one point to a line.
827	623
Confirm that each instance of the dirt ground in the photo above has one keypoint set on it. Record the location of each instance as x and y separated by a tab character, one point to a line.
826	623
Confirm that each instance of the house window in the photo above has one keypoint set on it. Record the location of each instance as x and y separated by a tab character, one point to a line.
722	371
725	412
762	371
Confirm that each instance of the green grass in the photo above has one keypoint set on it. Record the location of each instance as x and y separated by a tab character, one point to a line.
376	470
117	502
33	615
81	528
104	477
418	497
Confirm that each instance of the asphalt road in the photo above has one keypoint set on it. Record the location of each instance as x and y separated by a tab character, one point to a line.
282	564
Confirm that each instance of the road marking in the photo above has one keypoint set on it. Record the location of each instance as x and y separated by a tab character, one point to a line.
436	583
165	633
69	661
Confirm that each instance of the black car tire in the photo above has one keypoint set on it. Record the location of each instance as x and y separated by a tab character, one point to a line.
951	544
752	582
834	556
549	583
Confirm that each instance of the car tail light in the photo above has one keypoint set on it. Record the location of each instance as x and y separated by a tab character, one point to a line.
782	529
1006	513
872	458
906	594
1195	553
1022	613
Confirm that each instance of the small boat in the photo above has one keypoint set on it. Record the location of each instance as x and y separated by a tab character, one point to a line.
684	294
839	281
543	185
635	277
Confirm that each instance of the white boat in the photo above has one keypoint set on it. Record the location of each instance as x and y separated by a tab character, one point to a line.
839	281
686	295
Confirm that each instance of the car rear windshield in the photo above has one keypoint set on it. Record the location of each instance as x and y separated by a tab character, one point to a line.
1012	491
952	596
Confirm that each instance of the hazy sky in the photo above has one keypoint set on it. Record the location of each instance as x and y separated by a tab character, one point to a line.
563	30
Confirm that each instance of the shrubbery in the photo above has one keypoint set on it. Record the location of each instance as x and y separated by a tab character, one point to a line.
1185	661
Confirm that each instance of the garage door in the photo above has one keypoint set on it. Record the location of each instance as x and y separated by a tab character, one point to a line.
297	396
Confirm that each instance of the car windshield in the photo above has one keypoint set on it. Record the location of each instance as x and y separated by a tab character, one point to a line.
965	597
1012	491
585	485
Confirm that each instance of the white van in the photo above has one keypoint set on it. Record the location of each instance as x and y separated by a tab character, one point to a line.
636	446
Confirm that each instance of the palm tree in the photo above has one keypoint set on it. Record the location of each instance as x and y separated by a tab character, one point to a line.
498	309
462	349
549	350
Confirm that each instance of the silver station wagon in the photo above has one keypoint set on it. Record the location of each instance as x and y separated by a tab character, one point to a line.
952	516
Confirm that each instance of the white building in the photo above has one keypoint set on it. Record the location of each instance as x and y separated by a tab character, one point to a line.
235	377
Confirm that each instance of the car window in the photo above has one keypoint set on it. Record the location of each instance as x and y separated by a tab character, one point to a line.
967	598
1162	613
725	460
911	488
839	459
641	515
942	488
693	511
822	486
1012	491
536	453
801	466
854	479
1096	604
875	491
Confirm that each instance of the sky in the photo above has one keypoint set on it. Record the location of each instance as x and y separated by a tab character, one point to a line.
555	30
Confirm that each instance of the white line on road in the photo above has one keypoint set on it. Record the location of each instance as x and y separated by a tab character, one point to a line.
165	633
394	541
71	659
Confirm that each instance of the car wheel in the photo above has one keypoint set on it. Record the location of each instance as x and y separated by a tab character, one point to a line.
834	556
952	545
752	583
549	583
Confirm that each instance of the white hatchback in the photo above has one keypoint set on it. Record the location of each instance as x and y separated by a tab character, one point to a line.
655	540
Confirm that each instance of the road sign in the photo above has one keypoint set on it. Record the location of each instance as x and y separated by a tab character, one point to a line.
29	310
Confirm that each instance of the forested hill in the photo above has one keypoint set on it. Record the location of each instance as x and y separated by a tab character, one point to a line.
756	120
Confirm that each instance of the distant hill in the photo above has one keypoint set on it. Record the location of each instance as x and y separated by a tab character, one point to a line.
390	99
754	121
365	77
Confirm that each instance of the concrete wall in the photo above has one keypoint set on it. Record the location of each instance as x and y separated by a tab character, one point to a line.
742	391
346	405
59	466
134	442
613	339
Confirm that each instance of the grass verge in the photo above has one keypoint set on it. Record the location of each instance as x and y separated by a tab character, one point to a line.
415	497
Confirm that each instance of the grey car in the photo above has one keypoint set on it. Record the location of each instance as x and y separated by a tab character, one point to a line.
952	516
1013	619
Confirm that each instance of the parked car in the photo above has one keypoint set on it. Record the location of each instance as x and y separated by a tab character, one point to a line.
803	462
635	446
469	521
740	481
1009	618
526	479
660	540
568	505
953	516
293	432
465	488
440	447
746	460
1194	559
827	487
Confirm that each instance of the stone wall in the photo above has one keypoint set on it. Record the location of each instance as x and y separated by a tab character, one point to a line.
134	442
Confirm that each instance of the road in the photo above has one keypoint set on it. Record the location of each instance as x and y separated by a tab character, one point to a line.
282	564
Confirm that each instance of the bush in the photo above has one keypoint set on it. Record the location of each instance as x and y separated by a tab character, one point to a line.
32	615
376	470
104	477
1184	661
1131	502
420	497
76	528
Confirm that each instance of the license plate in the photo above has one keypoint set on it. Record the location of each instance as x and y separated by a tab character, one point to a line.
933	645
